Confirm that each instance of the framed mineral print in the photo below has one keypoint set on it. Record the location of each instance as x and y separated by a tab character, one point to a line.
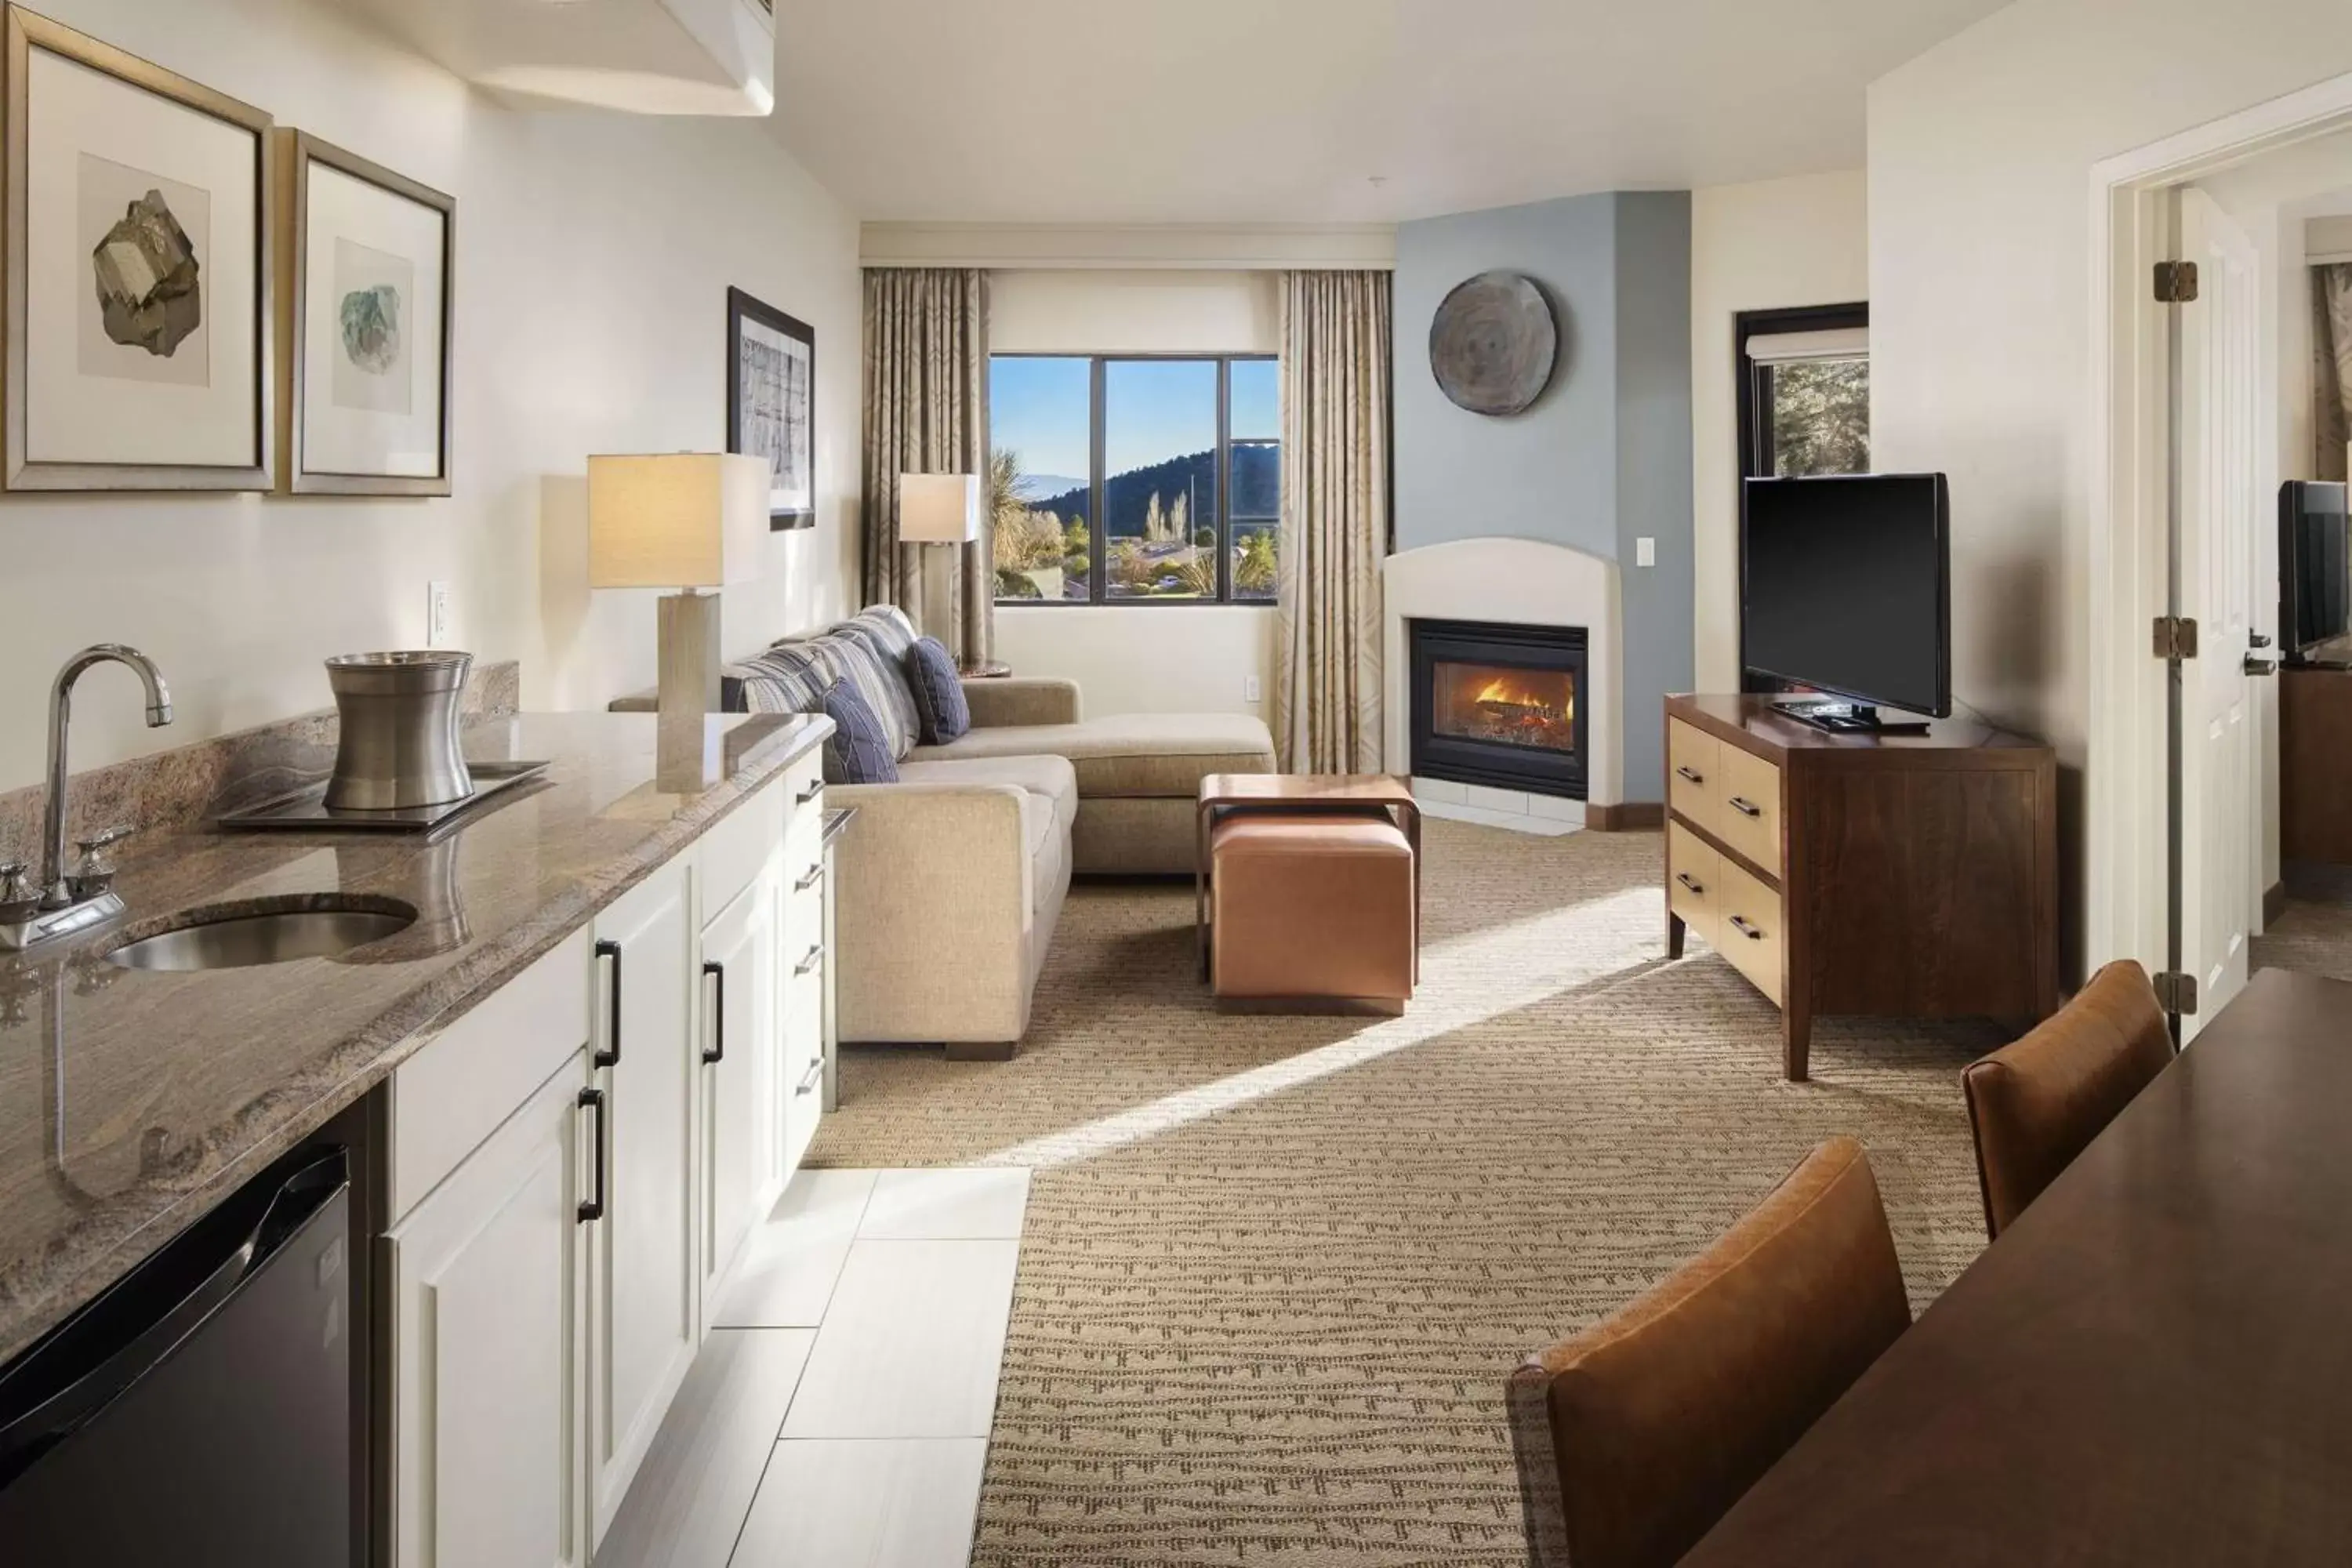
771	403
373	259
138	234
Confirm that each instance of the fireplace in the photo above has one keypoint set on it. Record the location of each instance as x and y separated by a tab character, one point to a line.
1499	705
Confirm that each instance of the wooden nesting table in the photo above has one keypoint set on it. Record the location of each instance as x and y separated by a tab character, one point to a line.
1299	793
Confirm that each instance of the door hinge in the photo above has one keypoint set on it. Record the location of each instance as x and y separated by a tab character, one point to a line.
2177	992
2176	638
2176	282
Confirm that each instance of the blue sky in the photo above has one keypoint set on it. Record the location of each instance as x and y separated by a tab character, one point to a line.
1156	409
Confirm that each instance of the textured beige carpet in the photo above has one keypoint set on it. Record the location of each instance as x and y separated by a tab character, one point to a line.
1276	1269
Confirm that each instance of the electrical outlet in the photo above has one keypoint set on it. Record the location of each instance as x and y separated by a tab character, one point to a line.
1250	692
436	614
1645	551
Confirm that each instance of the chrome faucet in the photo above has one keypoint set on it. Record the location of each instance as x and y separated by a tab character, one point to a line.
68	903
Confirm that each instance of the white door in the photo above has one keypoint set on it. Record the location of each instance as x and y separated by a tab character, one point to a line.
2221	506
488	1407
642	1312
742	951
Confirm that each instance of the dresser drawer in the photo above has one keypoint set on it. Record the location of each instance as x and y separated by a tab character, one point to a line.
1692	868
1749	928
1691	785
1747	807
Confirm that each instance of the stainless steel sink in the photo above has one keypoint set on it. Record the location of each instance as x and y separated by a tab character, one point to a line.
240	936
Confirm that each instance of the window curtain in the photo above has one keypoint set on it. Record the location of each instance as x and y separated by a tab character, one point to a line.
927	413
2331	337
1336	378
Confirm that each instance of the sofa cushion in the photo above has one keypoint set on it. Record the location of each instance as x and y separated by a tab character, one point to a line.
793	676
939	692
1145	754
857	753
887	636
1050	781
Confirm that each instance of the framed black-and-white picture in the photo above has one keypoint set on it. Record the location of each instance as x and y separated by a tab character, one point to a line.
771	403
138	278
375	259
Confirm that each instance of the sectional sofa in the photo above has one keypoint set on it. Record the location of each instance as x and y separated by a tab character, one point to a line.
952	879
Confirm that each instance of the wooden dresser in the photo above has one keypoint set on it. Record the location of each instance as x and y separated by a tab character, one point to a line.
1901	876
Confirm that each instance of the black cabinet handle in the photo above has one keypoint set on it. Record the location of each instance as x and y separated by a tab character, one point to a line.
1744	929
611	1056
1684	878
810	794
815	875
714	970
593	1208
1691	774
1746	807
815	956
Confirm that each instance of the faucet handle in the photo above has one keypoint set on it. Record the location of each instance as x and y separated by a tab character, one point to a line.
95	874
15	889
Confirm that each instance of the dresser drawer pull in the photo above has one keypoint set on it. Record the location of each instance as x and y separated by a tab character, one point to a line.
815	875
810	794
815	956
809	1078
1744	929
1687	880
1690	776
1746	807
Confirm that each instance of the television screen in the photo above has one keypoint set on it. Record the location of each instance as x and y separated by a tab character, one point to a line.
1846	587
2315	566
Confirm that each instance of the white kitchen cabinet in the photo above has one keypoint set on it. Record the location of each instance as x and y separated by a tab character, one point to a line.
741	1057
806	962
487	1294
643	1323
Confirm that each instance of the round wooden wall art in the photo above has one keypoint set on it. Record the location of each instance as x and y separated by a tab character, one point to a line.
1493	342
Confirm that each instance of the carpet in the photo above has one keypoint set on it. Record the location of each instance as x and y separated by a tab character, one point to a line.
1275	1269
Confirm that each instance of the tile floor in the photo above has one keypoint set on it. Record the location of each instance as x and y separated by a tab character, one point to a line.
840	1411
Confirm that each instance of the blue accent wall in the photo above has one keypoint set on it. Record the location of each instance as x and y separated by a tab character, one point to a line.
1605	456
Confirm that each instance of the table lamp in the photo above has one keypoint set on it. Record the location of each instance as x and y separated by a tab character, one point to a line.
939	509
686	521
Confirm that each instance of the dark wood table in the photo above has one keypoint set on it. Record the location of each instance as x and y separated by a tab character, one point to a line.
2153	1366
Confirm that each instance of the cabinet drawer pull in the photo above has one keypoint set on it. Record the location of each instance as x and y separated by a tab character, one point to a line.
1746	807
1691	775
1744	929
1685	878
815	875
813	792
610	1056
815	956
810	1079
714	970
593	1209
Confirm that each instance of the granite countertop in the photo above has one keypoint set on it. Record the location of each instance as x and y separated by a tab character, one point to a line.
131	1102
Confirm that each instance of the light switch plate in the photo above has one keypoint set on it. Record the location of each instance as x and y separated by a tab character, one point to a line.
436	614
1645	551
1250	692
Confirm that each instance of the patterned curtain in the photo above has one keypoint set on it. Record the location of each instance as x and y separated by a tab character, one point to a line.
927	413
1335	520
2331	339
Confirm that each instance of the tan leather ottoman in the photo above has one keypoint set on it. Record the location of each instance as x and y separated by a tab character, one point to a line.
1311	913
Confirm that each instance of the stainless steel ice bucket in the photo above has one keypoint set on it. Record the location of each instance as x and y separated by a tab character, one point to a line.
399	741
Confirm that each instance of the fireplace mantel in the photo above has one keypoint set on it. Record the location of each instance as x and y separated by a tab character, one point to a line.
1520	581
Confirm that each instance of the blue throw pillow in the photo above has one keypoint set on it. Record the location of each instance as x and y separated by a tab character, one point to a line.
939	691
858	752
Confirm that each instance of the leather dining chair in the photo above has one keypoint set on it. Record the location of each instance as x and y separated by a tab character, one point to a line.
1636	1436
2036	1104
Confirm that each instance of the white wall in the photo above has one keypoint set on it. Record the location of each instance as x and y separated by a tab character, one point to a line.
1147	659
1770	245
1980	157
594	252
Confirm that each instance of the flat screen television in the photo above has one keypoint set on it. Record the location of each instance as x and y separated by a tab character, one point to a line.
2315	574
1846	591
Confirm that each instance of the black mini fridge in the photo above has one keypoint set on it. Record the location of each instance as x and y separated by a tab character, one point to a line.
198	1413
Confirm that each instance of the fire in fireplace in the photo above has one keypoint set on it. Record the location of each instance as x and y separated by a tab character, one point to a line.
1497	704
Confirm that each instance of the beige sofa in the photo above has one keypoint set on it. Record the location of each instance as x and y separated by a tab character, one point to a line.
948	886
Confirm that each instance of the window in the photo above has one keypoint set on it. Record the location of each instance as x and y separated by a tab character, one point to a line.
1135	480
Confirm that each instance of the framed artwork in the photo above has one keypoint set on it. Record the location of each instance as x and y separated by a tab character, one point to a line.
771	403
374	279
138	227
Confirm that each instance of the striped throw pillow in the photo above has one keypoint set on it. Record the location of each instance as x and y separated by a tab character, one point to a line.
858	752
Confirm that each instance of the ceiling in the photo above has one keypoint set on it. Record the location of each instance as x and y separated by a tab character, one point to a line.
1314	111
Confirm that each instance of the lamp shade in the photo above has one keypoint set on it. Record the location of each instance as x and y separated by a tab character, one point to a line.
675	519
939	509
